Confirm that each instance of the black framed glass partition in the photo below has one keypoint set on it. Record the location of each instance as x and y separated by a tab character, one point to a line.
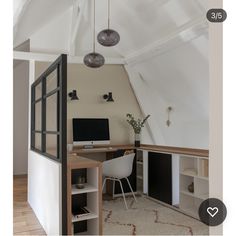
49	120
45	116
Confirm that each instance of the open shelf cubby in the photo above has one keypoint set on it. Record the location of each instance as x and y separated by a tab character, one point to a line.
90	177
193	170
189	166
85	200
90	228
201	188
185	181
190	205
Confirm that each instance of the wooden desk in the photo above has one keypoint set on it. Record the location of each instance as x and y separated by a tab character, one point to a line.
93	192
78	150
144	147
110	149
77	162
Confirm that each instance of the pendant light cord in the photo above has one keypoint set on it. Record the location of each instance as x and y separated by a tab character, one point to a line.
94	26
108	14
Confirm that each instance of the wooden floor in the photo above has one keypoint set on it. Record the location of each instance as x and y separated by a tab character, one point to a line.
24	219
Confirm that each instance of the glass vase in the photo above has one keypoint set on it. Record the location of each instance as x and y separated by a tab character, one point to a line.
137	140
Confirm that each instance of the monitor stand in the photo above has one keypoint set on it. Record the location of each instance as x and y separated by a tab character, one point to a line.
89	146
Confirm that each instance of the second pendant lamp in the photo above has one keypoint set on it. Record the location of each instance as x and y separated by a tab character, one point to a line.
94	59
108	37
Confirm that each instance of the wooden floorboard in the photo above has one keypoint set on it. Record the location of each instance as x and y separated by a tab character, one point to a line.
24	220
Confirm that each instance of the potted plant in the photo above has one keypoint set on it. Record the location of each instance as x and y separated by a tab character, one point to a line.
137	126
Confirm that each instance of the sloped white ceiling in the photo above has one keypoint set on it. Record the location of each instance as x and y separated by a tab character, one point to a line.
165	45
59	36
176	78
37	14
139	22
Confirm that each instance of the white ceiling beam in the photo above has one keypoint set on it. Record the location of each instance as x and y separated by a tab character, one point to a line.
75	13
18	15
186	32
78	11
28	56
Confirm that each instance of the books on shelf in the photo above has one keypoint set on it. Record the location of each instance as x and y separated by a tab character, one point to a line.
82	214
79	212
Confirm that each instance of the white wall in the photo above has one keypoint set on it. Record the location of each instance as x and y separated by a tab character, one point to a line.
20	116
44	191
91	84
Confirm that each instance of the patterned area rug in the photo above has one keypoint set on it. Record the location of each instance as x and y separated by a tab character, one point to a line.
147	217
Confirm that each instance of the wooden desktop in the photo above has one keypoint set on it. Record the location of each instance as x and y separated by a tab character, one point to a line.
154	148
78	150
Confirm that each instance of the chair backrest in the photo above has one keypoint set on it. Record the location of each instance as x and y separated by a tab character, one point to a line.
120	167
119	153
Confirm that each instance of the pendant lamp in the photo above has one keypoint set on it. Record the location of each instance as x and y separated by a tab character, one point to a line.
94	59
108	37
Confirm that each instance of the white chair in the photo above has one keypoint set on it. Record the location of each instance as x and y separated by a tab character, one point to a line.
117	169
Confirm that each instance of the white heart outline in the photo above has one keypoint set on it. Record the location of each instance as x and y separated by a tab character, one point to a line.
212	209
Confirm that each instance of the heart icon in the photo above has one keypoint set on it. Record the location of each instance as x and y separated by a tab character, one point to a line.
212	211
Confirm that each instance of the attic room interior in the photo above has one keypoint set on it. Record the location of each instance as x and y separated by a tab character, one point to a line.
111	117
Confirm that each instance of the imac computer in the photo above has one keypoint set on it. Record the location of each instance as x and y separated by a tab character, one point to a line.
90	131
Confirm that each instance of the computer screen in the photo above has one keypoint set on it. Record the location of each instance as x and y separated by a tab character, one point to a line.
90	131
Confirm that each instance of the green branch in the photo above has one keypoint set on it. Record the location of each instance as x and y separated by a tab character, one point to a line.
138	124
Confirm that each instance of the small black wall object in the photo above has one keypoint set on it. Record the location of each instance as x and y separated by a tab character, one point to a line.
108	97
73	95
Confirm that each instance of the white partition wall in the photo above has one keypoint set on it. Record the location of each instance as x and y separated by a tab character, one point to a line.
44	191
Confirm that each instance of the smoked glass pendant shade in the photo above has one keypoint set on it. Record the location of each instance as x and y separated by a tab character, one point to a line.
94	60
108	37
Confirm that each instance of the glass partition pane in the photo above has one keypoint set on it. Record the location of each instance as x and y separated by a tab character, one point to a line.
38	91
38	144
51	144
38	116
51	81
51	113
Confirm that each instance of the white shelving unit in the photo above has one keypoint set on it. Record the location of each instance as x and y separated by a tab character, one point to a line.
91	191
194	170
88	197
